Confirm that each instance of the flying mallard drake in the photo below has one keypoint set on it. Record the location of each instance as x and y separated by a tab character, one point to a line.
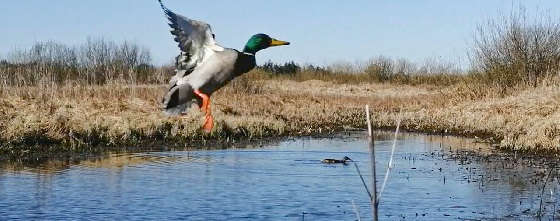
203	66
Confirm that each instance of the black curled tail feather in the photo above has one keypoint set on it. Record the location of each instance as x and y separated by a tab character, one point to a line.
178	99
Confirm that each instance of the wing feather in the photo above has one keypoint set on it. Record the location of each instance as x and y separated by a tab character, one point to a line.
195	39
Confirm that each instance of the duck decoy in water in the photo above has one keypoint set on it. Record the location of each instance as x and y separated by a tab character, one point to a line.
203	66
343	161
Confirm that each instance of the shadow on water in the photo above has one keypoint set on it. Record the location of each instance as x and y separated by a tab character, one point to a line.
434	178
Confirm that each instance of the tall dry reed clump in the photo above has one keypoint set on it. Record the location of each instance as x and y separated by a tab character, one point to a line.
517	50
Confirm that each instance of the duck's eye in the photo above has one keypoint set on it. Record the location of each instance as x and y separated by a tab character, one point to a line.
213	36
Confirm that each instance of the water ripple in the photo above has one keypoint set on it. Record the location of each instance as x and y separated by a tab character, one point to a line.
432	180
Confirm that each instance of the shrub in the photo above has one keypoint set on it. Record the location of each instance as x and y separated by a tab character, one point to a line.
97	61
515	50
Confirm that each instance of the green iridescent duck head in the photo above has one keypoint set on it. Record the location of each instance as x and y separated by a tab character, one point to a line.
261	41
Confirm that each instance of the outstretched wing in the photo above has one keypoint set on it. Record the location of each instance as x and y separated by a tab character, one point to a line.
195	39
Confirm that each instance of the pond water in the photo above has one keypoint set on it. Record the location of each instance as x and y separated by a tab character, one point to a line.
434	178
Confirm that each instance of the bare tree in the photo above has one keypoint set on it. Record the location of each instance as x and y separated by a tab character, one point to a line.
515	50
97	61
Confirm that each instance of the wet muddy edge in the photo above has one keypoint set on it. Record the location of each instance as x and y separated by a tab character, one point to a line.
39	153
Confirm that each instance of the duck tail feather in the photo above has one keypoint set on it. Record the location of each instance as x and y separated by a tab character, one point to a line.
178	100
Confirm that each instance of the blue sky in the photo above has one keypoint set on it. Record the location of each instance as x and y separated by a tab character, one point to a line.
321	31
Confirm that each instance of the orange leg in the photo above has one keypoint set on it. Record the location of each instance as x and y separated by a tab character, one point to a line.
205	106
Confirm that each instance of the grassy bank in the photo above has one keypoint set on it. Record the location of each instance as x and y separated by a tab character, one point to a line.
102	94
89	118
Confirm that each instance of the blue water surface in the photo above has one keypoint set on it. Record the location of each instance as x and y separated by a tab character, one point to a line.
282	180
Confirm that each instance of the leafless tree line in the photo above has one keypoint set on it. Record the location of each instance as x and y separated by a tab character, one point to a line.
508	51
384	68
95	62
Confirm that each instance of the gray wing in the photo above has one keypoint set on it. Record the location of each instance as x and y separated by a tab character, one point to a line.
197	44
195	39
214	72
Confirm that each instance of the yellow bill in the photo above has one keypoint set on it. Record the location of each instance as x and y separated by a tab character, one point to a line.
275	42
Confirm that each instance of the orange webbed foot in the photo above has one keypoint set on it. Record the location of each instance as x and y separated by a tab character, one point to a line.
205	106
208	123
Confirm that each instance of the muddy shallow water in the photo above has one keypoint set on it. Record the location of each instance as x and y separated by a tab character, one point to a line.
434	178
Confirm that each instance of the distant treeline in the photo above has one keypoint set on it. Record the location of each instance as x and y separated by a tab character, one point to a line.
97	61
507	52
289	68
378	69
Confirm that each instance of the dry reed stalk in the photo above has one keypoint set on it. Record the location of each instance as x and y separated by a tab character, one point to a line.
363	181
539	213
374	199
356	211
390	164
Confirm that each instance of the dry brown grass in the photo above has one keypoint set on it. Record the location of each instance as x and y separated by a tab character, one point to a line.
88	118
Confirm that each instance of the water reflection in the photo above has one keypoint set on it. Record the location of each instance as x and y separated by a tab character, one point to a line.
434	178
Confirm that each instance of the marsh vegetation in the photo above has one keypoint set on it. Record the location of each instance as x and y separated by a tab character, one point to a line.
56	97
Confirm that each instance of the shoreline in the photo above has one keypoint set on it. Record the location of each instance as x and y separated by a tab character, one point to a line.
93	118
27	156
242	142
